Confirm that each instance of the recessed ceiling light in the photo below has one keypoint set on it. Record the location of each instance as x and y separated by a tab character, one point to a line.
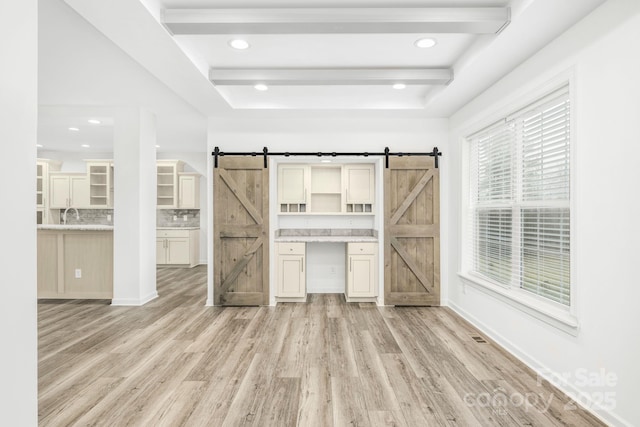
85	146
425	43
94	121
239	44
261	87
157	146
399	86
74	129
39	145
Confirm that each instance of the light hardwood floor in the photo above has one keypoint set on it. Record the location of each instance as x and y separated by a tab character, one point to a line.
175	362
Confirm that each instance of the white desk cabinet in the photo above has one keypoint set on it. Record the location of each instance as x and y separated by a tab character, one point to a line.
291	270
361	271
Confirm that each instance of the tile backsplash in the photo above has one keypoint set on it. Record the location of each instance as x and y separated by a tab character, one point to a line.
89	216
164	218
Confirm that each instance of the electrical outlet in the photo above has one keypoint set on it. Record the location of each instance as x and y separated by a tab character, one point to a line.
78	273
109	218
184	218
175	217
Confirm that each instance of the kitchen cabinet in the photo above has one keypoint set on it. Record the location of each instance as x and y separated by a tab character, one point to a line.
188	191
167	182
68	190
359	187
177	247
43	168
293	187
291	270
100	176
361	283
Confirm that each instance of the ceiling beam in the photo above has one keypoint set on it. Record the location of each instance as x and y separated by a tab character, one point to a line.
329	76
475	20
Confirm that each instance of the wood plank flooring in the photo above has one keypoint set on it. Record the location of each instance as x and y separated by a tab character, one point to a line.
176	362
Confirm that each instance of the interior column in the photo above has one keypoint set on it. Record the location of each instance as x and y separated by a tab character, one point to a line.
134	234
18	309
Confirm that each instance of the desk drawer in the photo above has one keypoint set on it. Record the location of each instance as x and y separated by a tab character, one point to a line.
291	248
362	248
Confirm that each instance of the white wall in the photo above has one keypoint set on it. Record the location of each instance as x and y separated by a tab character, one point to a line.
18	312
326	132
602	53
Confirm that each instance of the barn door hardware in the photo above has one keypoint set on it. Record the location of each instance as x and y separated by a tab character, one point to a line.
435	153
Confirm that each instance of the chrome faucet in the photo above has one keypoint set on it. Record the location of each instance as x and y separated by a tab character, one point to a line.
64	215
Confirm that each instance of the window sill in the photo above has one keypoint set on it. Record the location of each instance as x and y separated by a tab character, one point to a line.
531	305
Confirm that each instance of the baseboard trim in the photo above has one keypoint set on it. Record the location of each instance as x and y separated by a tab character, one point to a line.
209	303
555	378
134	302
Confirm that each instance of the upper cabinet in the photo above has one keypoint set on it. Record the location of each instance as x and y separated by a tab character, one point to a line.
43	168
188	191
168	183
293	187
100	174
177	189
359	191
326	189
68	190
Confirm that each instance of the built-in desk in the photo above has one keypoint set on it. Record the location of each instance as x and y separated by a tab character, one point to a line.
361	278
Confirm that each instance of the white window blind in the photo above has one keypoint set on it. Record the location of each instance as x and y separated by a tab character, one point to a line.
520	199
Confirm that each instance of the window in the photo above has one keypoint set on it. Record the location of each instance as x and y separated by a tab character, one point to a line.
519	205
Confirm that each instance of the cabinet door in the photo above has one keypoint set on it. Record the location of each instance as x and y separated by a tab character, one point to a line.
291	277
359	182
292	183
79	191
161	251
177	250
189	190
59	192
362	276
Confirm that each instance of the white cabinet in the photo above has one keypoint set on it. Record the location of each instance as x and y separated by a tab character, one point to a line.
167	182
188	191
43	168
293	187
359	187
361	271
68	190
290	270
326	188
100	175
177	247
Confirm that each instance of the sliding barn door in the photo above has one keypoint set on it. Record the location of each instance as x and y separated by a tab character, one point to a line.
411	232
241	231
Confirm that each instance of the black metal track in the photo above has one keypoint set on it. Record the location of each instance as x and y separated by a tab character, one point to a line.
265	153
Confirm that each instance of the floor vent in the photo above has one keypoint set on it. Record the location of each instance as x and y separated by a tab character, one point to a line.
479	340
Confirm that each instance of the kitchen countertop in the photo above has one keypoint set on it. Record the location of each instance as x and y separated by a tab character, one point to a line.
76	227
326	235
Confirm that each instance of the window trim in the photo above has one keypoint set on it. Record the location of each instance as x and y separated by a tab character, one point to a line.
548	311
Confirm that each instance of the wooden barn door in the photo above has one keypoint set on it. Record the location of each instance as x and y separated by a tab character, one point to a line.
411	232
241	231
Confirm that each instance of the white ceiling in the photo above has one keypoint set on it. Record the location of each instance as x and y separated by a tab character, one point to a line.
96	53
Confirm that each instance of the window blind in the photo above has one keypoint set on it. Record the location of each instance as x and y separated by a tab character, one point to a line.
520	199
